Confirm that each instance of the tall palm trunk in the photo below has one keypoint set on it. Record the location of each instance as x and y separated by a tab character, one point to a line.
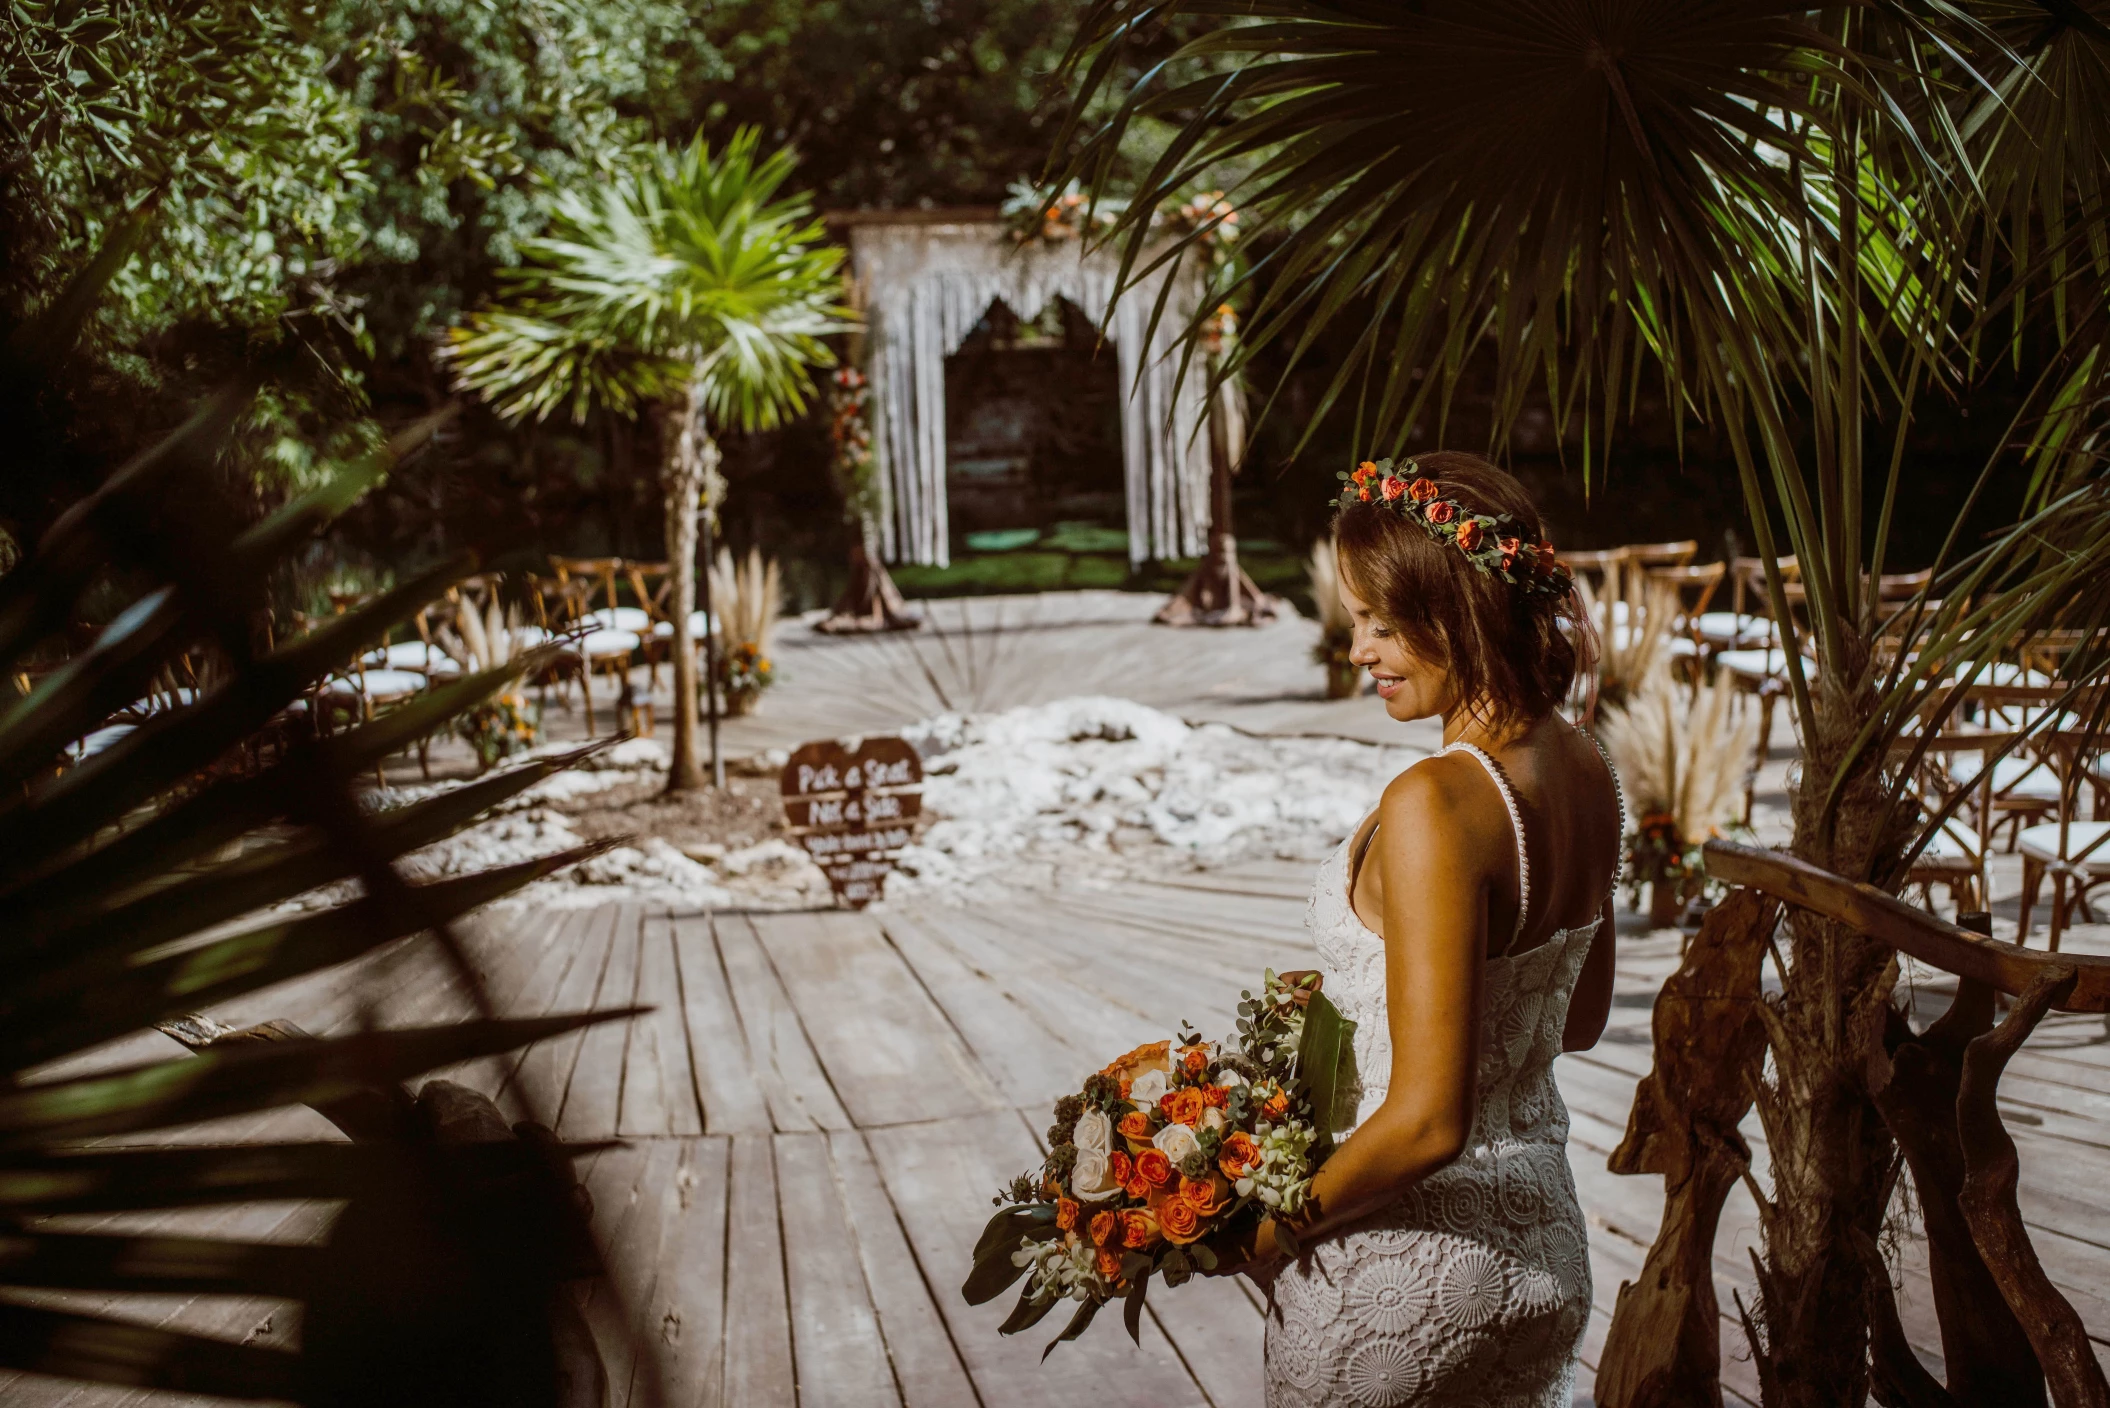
692	460
1831	1152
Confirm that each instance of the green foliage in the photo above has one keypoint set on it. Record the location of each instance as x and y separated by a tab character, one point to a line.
133	889
684	271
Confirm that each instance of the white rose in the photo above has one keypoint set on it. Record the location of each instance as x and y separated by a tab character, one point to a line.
1229	1079
1095	1133
1213	1118
1176	1142
1092	1176
1149	1088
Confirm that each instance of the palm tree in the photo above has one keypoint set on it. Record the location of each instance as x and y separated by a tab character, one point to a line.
1805	221
685	286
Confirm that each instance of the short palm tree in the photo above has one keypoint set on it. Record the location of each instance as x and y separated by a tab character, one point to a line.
685	286
1804	219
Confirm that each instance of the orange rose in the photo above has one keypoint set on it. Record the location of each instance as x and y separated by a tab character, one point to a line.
1365	472
1509	548
1238	1155
1277	1105
1470	533
1195	1059
1179	1222
1151	1056
1392	488
1105	1227
1423	490
1154	1168
1117	1163
1135	1125
1215	1096
1136	1188
1207	1196
1183	1106
1139	1229
1441	511
1110	1264
1066	1211
1363	494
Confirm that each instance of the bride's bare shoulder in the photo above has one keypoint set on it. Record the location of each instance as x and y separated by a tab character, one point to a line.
1441	799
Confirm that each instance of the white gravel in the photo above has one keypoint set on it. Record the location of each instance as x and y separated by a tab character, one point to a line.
1080	787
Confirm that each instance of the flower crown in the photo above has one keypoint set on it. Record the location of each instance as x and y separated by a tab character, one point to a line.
1528	566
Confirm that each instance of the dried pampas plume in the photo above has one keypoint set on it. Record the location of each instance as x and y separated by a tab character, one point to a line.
1682	757
1324	570
746	597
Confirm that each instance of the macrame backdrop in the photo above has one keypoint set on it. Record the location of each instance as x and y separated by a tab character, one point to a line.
927	285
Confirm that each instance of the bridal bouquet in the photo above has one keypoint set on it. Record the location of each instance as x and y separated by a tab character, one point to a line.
1167	1157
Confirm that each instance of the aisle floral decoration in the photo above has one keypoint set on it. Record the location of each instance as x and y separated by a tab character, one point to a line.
1168	1156
505	724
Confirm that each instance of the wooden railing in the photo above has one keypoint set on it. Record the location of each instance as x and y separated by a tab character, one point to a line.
2008	1335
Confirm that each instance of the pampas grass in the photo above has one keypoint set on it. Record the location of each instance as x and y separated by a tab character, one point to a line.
1324	570
746	597
1682	755
483	638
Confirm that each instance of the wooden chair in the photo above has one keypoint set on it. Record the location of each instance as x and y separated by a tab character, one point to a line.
1693	588
1748	623
1678	554
1957	854
610	635
2073	850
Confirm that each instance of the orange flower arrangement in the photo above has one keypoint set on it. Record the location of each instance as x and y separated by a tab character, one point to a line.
1184	1106
1154	1168
1240	1153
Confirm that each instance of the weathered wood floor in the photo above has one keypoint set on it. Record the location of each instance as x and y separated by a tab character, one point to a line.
821	1105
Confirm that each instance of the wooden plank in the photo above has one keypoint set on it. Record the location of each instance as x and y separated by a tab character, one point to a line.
726	1088
836	1346
689	1298
792	1079
634	1261
1219	1334
889	1054
658	1095
594	1097
758	1363
544	1072
1031	1062
940	1176
927	1366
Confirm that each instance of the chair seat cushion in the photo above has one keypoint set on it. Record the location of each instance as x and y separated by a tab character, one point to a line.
2001	673
97	741
621	618
698	625
606	644
1730	628
413	655
1755	664
376	684
1954	841
1682	647
2042	843
2020	778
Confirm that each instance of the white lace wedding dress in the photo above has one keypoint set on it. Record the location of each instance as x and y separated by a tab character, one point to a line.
1473	1288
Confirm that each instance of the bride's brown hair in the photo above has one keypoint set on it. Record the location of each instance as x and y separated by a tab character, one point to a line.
1514	653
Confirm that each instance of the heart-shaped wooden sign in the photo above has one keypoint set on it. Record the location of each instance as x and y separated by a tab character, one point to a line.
853	808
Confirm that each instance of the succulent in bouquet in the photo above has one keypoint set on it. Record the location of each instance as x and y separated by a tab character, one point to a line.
1169	1156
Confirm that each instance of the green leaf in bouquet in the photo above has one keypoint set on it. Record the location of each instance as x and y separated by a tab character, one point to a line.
1076	1327
993	1271
1286	1242
1132	1312
1326	1065
1026	1314
1205	1257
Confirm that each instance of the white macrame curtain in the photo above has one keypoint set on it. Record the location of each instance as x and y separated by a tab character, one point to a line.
926	287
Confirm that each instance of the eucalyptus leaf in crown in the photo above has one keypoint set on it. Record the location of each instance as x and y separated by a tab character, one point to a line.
1489	541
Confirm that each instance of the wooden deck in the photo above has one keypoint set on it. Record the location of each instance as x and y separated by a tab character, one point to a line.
820	1106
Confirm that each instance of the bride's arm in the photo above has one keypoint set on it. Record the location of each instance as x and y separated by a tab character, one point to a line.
1435	880
1591	1006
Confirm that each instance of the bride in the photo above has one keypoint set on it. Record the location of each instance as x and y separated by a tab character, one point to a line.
1466	927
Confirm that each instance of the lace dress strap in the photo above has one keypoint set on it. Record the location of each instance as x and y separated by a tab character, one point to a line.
1516	822
1618	798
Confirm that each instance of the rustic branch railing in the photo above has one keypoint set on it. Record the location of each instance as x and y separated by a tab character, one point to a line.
2008	1335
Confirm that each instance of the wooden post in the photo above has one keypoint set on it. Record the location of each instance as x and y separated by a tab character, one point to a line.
1218	592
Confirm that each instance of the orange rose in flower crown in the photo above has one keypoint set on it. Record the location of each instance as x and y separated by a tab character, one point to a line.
1393	488
1441	511
1470	533
1423	490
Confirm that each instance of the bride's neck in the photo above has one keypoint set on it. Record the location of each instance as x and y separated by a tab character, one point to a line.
1483	727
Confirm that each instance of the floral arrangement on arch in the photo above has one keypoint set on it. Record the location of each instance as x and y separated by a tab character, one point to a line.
1166	1156
850	440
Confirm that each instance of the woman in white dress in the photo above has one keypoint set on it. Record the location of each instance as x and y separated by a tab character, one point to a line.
1466	928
